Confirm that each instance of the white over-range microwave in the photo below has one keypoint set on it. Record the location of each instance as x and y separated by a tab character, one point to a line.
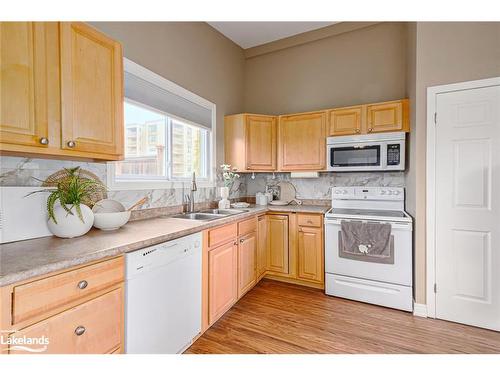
371	152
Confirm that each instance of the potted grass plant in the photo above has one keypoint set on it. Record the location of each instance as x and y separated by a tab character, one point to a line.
69	204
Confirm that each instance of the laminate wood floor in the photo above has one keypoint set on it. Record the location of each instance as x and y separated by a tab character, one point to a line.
276	317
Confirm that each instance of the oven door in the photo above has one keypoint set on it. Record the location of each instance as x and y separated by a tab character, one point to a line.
356	157
397	272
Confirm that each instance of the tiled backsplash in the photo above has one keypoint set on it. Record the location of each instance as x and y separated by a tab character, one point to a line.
319	188
15	171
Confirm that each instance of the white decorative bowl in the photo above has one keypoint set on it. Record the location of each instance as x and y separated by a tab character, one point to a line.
110	214
70	225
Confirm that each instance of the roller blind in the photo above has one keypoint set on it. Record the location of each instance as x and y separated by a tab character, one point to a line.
145	92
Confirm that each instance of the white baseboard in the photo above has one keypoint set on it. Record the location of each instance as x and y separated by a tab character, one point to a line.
420	309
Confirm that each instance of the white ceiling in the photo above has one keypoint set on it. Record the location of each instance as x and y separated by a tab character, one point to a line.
251	34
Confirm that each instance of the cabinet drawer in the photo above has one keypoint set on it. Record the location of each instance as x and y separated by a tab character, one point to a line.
222	234
90	328
309	220
247	226
40	296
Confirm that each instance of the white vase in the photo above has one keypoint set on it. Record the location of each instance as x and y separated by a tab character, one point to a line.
69	226
224	202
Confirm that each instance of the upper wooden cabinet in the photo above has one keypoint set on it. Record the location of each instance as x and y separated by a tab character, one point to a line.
91	90
388	117
302	142
23	84
250	142
345	121
370	118
61	91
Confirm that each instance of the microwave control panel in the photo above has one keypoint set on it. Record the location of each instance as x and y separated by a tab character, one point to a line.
393	154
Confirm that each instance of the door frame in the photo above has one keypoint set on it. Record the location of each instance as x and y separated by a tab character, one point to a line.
432	93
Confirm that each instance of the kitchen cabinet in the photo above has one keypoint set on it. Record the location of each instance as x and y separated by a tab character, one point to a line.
278	257
61	91
388	117
345	121
262	245
247	275
302	142
310	254
80	309
223	279
91	90
250	142
23	84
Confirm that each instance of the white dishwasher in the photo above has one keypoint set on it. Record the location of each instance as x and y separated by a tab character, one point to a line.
163	297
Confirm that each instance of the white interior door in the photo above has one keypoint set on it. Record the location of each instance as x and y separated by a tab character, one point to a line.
468	206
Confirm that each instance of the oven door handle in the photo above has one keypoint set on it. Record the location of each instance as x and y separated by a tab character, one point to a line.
401	226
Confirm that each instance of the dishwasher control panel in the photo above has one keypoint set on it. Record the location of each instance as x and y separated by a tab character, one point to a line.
162	254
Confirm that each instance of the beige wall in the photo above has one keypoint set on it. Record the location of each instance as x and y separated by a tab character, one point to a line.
191	54
445	53
365	65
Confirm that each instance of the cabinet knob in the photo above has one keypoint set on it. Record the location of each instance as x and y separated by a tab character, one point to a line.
82	284
44	141
300	229
357	130
235	243
71	144
369	130
242	240
80	330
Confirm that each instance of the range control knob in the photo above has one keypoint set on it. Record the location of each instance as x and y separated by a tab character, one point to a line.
344	191
337	191
397	192
382	192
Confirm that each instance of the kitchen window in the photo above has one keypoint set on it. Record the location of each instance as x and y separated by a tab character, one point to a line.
169	134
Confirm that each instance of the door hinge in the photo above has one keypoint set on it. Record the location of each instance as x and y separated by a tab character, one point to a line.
435	288
435	118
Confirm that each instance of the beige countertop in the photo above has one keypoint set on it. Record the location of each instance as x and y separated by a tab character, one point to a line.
23	260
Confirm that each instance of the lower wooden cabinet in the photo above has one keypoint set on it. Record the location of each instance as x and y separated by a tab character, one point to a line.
78	311
222	280
247	275
92	327
310	254
262	245
278	254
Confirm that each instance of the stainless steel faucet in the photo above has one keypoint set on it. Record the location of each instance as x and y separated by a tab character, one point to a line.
191	194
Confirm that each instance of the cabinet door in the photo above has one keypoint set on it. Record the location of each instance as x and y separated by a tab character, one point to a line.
222	280
23	84
261	143
91	90
345	121
246	263
302	142
262	245
386	117
310	252
278	255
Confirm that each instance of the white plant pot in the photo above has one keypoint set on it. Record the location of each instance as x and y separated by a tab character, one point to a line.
69	226
224	203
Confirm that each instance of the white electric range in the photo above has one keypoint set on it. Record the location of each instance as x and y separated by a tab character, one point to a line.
383	279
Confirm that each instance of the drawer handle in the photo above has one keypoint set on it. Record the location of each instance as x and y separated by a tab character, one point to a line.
80	330
83	284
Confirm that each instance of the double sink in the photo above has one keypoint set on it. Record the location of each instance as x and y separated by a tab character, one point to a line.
208	215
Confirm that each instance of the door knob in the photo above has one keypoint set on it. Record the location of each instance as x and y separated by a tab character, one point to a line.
44	141
82	284
71	144
80	330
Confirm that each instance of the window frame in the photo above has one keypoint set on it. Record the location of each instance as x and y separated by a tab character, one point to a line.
168	182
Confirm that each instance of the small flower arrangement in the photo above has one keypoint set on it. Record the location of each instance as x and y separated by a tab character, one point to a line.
228	174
